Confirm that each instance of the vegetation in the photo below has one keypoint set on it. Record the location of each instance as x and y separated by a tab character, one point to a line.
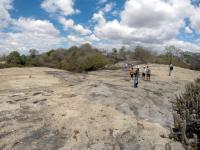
186	114
78	59
14	58
84	58
88	58
144	55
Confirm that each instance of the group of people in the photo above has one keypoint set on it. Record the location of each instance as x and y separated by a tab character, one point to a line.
146	73
135	74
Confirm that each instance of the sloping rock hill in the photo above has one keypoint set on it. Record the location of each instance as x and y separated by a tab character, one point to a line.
42	108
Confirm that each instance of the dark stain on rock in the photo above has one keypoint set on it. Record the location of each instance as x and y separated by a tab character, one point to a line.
40	139
21	99
10	102
68	95
36	93
39	101
3	135
3	146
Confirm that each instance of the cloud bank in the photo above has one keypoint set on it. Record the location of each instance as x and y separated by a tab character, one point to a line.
153	24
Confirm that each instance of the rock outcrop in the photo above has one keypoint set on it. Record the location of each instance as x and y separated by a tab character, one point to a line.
42	108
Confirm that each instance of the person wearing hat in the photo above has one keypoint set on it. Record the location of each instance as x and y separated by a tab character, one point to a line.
136	77
144	73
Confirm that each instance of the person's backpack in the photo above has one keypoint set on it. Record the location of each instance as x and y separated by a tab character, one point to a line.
171	67
136	72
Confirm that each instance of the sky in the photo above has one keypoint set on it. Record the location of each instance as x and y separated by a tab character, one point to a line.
51	24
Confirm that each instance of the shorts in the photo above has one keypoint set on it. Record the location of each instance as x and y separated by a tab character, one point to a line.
149	75
143	74
131	75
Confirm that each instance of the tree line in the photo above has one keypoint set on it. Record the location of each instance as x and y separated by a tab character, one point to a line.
88	58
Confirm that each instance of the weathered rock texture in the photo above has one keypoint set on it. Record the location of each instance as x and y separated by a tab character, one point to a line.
42	108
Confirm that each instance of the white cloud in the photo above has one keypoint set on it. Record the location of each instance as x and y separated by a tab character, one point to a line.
28	34
63	7
5	6
28	25
93	38
99	18
186	46
160	20
108	7
113	30
78	40
195	18
188	30
149	23
102	1
77	27
25	33
115	13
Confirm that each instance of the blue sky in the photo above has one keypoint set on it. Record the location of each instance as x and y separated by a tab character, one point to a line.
49	24
185	36
87	8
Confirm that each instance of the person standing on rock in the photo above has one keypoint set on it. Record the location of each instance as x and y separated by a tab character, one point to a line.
144	73
126	67
148	73
171	67
131	73
136	77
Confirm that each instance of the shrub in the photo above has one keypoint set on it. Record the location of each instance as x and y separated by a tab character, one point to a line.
93	62
186	114
14	58
83	59
143	55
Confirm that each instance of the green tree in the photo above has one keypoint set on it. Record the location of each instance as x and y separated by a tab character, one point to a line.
122	53
86	47
34	58
23	60
84	58
14	58
93	62
141	54
170	53
33	53
114	54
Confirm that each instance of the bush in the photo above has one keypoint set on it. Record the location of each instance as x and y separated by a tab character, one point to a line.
144	55
14	58
186	114
93	62
83	59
